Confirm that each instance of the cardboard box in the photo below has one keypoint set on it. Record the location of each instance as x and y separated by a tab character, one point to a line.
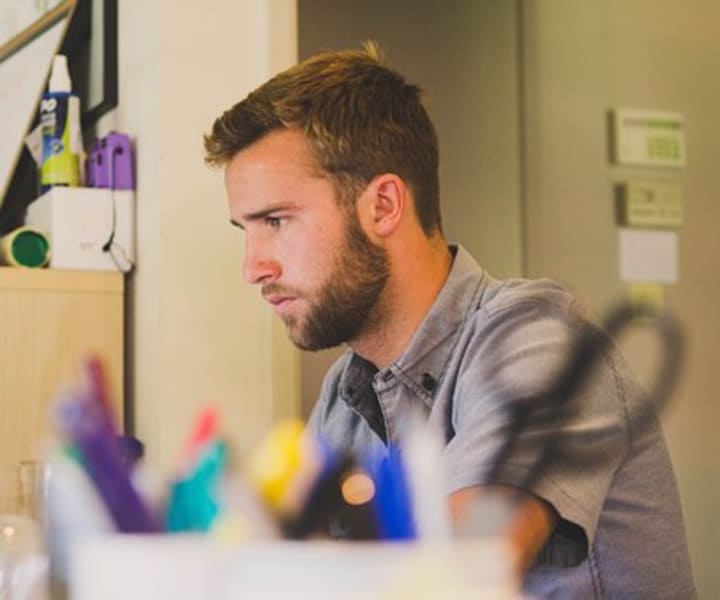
79	223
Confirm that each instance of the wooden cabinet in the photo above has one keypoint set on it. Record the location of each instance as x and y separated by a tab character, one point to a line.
49	320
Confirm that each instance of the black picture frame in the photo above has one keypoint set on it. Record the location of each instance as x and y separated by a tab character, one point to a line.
82	49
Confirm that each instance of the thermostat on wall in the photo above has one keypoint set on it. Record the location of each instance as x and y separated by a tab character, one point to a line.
647	138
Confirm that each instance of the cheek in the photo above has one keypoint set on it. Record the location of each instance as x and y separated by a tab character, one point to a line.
312	258
315	255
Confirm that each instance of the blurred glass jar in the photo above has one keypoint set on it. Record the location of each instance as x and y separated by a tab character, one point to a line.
32	479
23	562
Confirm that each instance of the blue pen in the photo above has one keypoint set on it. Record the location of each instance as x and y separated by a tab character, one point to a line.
393	502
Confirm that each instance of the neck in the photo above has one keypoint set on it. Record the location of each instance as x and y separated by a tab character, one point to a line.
418	273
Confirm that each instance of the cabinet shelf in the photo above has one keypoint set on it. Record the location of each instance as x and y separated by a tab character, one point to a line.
49	321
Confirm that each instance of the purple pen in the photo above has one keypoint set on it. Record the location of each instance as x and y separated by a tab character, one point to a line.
87	421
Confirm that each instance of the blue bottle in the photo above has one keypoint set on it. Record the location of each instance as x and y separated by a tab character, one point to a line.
60	127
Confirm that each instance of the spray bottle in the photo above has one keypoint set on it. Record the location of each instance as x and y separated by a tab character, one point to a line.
60	126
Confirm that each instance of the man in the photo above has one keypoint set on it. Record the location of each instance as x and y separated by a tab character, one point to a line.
331	170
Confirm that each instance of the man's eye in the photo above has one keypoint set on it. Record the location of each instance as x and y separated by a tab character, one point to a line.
273	222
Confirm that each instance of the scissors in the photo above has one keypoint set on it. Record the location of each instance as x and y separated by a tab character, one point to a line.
588	346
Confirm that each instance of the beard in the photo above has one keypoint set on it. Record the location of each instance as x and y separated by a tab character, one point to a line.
347	302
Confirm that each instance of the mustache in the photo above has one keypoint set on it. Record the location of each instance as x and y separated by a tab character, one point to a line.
275	289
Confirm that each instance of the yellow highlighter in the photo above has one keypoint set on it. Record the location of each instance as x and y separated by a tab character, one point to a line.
284	467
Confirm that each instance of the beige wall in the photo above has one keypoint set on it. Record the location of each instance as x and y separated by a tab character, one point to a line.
582	58
199	335
463	54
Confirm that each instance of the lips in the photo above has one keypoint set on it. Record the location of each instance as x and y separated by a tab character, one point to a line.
278	301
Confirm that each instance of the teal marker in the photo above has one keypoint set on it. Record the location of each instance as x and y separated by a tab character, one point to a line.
194	500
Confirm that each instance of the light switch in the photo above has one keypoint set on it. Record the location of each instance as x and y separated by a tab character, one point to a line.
649	204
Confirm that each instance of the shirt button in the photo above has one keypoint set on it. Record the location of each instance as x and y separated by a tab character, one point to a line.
387	375
428	382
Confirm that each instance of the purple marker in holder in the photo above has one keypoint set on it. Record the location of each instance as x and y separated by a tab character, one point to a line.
86	419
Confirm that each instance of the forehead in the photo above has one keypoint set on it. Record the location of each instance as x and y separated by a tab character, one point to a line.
281	156
278	173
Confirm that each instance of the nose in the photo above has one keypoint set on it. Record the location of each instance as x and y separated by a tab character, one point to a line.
258	268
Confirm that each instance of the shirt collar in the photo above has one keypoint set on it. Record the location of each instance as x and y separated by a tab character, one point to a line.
422	364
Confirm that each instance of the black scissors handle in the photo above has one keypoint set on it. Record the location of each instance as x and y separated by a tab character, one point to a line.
588	346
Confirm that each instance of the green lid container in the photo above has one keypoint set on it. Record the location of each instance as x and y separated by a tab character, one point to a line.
25	247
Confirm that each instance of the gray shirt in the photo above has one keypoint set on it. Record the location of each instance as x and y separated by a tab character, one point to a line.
483	343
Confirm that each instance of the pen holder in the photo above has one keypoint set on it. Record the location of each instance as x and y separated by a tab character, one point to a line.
110	163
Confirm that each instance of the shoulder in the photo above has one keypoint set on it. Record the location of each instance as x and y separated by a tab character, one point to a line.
520	334
512	295
515	312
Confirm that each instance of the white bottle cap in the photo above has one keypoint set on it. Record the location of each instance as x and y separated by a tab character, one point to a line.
59	76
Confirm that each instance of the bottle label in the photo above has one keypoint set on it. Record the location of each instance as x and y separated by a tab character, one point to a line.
60	127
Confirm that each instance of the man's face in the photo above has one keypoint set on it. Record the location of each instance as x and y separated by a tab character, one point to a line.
316	265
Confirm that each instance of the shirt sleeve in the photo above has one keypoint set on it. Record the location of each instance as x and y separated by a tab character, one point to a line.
515	353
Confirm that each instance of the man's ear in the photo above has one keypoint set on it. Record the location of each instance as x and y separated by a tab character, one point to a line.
385	201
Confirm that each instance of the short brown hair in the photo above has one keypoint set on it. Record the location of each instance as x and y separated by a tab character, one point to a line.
360	117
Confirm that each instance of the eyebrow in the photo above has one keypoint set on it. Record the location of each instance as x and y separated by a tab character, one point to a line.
260	214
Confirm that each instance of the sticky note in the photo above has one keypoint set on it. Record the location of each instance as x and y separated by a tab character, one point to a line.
648	256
